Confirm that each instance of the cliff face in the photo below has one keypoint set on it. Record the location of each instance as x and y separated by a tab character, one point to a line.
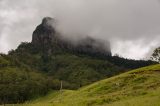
46	36
44	33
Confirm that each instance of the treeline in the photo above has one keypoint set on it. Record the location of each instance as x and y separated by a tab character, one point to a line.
129	63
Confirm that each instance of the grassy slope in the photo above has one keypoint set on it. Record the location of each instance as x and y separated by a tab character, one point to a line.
139	87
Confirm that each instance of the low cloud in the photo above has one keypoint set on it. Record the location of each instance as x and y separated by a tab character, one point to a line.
133	27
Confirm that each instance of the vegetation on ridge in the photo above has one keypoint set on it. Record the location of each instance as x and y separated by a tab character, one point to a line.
28	72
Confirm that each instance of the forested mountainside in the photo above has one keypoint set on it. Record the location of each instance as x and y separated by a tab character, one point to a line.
38	66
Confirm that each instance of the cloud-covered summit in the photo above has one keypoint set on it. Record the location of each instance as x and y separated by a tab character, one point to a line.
133	27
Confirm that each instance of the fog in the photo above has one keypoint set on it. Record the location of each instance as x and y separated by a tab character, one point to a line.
132	27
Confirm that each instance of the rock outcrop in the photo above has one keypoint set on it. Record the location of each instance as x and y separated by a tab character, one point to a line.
46	36
44	33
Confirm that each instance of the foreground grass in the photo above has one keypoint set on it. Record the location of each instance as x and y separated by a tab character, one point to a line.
139	87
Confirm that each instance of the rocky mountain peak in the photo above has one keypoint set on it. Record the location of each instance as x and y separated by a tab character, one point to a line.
48	22
46	36
44	33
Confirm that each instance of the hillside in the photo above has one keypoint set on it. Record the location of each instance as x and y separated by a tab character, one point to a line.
79	64
36	67
140	87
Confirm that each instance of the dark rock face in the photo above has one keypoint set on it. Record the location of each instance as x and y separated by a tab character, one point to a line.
46	36
44	33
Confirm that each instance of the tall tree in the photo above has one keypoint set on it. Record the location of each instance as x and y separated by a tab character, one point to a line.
156	55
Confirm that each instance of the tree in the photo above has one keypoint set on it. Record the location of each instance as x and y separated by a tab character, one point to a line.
156	55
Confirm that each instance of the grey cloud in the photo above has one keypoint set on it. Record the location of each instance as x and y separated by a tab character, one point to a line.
129	25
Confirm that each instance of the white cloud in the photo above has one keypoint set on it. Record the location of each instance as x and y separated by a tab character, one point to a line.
134	49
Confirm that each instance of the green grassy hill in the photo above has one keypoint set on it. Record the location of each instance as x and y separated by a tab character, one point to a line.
140	87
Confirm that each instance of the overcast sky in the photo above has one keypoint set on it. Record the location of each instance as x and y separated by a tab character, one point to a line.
132	26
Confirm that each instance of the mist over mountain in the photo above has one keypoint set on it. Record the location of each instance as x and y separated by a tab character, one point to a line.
52	52
65	45
130	26
46	36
